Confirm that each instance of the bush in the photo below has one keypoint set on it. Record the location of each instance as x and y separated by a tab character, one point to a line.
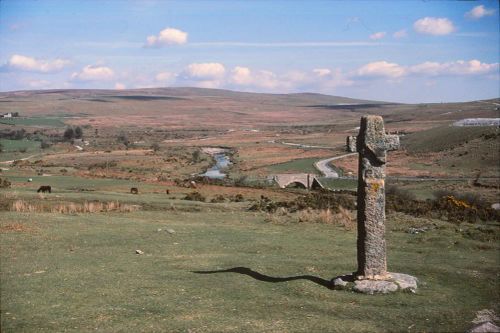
218	199
45	144
316	200
78	132
195	196
447	205
238	198
404	194
69	134
4	183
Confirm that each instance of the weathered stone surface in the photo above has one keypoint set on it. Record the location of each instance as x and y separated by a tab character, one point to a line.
372	277
372	144
404	281
338	283
485	327
139	252
375	287
485	315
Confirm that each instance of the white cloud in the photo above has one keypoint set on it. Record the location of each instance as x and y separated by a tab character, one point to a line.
400	34
437	26
460	67
242	76
322	71
29	64
377	35
165	77
205	71
381	69
168	36
38	83
120	86
479	12
326	79
93	73
262	79
392	70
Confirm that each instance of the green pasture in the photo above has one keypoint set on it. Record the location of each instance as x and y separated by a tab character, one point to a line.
34	121
303	165
339	184
229	271
12	149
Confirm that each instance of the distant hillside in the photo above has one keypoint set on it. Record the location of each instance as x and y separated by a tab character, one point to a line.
216	108
189	92
445	138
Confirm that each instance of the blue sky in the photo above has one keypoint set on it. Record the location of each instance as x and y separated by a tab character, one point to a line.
404	51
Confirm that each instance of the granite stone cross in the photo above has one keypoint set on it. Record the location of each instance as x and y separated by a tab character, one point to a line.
372	144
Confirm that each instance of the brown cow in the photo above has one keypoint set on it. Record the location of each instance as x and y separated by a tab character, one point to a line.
134	190
45	188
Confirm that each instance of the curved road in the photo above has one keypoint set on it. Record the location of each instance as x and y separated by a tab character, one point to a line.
322	166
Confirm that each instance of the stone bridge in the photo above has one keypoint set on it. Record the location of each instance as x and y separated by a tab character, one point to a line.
305	180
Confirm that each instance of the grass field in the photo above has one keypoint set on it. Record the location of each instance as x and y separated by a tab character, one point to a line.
16	149
303	165
443	137
34	121
68	259
81	273
339	184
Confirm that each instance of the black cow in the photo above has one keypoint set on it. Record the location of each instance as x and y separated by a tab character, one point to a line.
45	188
134	190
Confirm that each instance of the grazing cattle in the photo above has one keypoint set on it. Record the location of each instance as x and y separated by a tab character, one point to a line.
134	190
167	191
45	188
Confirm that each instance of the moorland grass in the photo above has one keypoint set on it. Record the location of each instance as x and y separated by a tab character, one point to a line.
444	137
34	121
80	272
15	149
302	165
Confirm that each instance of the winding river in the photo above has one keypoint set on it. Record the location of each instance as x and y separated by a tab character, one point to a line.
222	161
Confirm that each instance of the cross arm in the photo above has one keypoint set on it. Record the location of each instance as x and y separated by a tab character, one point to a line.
391	142
352	144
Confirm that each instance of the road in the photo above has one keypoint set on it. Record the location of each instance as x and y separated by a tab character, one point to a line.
20	159
322	166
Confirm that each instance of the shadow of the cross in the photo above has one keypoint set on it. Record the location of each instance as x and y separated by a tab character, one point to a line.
266	278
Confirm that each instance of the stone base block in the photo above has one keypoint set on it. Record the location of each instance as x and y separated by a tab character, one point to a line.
394	282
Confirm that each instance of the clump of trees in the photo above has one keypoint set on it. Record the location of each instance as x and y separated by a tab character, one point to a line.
13	134
123	138
73	133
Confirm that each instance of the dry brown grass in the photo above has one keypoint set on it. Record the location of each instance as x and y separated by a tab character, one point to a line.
72	207
15	227
344	217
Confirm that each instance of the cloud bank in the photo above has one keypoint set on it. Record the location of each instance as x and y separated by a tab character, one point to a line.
437	26
29	64
479	12
168	36
93	73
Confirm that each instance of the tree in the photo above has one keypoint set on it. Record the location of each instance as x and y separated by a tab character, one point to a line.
44	144
123	138
196	156
69	134
155	146
78	132
19	134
